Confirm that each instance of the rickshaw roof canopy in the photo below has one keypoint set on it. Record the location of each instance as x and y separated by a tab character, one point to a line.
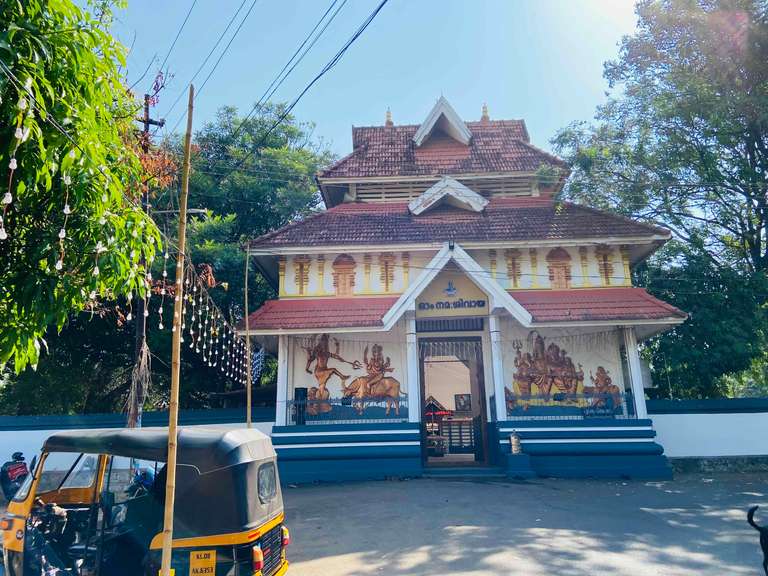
206	448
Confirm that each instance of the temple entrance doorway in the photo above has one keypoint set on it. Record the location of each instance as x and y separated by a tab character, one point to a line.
454	412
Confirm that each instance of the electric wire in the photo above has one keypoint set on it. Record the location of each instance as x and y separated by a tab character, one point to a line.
205	61
178	33
218	61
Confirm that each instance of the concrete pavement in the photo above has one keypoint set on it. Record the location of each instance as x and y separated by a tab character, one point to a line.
692	525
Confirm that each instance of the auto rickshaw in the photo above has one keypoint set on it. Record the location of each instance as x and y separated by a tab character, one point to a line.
93	506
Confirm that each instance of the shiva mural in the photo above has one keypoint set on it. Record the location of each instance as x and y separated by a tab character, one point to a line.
378	385
546	376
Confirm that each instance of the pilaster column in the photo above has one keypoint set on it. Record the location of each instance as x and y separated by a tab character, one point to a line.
281	404
412	364
635	372
497	363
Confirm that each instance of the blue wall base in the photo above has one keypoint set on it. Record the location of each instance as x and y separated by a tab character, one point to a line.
593	448
634	466
519	466
307	471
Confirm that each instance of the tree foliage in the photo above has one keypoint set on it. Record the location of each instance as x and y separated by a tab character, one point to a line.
71	231
683	142
88	366
724	332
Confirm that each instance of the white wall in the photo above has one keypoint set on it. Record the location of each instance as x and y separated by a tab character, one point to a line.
687	435
30	441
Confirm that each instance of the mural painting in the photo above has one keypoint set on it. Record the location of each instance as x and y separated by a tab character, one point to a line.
376	386
547	376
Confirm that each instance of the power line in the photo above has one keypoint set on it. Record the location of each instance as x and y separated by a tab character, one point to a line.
199	69
335	60
218	61
277	80
178	33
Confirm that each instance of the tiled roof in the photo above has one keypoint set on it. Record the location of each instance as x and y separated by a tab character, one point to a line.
320	313
504	219
594	304
496	146
544	305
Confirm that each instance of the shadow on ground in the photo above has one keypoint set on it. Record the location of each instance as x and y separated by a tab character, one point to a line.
693	525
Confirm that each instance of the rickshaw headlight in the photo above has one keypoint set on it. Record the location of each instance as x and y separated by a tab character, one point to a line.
286	537
258	558
6	524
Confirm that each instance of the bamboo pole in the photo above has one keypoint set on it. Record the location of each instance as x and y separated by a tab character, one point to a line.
248	363
173	412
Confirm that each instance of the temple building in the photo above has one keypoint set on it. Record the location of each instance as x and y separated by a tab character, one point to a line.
445	310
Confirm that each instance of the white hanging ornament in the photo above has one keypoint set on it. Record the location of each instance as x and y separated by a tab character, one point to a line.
96	270
92	295
12	164
59	265
129	317
67	209
62	233
3	233
7	198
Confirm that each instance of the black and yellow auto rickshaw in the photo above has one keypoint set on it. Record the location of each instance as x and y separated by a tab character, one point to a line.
93	505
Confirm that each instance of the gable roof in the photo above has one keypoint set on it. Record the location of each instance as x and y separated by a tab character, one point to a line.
451	191
503	220
496	146
444	117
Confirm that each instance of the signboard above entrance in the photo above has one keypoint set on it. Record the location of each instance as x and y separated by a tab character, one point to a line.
451	293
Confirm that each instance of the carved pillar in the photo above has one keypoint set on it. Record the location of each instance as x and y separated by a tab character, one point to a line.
492	259
513	267
584	258
366	273
281	275
534	267
406	257
321	275
625	263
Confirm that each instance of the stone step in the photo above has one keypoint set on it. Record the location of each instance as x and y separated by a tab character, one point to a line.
464	472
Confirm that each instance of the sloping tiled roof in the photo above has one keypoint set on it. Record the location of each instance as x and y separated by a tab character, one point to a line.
544	305
594	304
320	313
496	146
504	219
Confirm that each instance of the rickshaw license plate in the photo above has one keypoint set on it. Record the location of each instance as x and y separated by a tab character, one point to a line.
202	562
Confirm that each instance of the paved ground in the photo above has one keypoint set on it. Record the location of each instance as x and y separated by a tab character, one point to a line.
693	525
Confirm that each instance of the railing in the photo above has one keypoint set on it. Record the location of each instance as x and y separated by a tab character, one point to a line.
563	406
347	410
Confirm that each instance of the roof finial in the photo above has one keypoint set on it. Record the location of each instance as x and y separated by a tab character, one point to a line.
388	121
485	117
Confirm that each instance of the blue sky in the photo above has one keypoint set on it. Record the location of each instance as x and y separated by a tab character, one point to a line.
540	60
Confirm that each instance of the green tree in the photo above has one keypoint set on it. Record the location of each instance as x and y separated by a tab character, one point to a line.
724	332
70	232
683	142
88	365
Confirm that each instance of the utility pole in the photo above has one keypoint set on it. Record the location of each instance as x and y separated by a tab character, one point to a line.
141	375
248	362
178	310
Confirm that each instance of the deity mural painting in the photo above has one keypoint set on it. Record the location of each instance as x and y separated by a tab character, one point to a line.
548	376
375	385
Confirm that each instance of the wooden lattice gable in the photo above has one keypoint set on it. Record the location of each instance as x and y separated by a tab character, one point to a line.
448	191
443	117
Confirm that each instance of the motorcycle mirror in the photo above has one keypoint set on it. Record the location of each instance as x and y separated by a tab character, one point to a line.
33	464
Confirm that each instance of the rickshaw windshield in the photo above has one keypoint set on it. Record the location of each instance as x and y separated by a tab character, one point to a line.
23	491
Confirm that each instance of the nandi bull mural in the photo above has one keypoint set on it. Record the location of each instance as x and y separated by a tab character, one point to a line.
376	384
